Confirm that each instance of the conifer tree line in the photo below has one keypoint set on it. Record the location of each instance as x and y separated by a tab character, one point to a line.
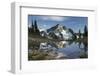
34	28
85	33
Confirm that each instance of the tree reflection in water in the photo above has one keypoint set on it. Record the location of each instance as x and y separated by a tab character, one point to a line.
83	46
57	50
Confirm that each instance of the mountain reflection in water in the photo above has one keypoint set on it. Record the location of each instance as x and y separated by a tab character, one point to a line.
57	50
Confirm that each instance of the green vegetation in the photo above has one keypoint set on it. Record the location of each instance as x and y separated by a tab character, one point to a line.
40	55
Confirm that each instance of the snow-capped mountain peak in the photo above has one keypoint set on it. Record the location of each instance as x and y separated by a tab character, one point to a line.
59	32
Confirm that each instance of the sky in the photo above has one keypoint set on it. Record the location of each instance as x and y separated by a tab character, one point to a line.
46	21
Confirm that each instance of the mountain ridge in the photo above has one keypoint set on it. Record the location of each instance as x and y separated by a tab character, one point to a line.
58	32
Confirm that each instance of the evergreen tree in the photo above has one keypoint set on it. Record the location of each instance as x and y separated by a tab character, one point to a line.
79	33
85	31
29	30
33	28
36	27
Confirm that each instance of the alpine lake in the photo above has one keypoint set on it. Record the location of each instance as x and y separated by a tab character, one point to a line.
40	48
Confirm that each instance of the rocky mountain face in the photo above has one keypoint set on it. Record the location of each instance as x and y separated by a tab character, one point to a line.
58	32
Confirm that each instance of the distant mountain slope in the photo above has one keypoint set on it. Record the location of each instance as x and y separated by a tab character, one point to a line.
59	32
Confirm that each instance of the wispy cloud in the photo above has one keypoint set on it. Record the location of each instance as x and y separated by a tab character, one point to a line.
54	18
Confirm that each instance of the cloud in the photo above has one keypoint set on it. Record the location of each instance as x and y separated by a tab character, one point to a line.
54	18
43	27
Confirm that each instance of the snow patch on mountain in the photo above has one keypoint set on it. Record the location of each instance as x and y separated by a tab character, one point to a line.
58	32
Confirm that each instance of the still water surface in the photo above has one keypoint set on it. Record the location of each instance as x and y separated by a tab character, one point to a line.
62	49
